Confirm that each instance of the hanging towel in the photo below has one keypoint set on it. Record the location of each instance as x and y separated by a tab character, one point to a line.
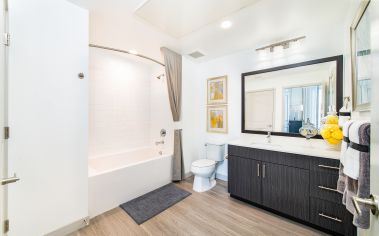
346	140
360	187
351	156
341	183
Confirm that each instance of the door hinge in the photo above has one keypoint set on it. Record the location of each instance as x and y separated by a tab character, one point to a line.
6	132
6	226
7	39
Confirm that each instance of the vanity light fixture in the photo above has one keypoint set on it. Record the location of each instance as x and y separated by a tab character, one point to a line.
283	44
226	24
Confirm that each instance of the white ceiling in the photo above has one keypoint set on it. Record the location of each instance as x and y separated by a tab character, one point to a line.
255	23
181	17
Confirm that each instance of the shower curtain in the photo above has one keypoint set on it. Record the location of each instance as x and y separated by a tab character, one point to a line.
173	69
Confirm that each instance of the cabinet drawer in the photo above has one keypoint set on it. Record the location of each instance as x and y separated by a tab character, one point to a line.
239	151
331	216
324	186
324	165
287	159
281	158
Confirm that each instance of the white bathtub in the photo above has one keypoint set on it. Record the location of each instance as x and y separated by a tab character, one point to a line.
116	179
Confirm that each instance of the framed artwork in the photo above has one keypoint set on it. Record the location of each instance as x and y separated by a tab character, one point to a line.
217	119
217	90
361	58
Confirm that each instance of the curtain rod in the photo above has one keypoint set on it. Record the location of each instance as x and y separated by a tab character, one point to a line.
123	51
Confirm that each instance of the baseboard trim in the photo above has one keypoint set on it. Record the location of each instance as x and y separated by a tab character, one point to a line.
187	175
221	177
70	228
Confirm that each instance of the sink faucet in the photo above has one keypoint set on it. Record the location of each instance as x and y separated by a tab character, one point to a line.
268	137
159	142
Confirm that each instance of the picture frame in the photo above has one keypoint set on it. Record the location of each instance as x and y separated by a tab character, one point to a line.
217	119
360	60
217	90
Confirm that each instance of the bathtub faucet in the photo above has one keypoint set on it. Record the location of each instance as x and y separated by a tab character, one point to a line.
160	142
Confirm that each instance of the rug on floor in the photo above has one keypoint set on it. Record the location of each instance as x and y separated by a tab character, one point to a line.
151	204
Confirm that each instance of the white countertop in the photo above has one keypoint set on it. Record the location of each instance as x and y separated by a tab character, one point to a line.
313	147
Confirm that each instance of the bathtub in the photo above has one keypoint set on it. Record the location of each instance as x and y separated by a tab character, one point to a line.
118	178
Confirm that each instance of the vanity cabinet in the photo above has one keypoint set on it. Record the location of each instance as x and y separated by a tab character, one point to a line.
245	178
286	189
300	187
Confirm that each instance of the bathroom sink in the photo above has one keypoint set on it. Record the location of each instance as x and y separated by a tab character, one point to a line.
266	144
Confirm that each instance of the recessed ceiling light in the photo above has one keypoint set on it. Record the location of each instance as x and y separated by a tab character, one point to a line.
133	51
226	24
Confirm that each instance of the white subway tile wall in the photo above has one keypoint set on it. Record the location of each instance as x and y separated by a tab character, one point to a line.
120	103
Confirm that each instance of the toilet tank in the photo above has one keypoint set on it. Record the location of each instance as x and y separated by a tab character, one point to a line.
215	151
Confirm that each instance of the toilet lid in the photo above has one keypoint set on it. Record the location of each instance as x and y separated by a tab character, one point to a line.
203	163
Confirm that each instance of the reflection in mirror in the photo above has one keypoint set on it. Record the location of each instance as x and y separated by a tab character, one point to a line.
283	100
300	104
361	62
260	116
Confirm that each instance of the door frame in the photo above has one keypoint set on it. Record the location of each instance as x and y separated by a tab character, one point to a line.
3	114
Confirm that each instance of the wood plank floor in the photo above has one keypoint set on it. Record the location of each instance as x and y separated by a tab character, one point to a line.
209	213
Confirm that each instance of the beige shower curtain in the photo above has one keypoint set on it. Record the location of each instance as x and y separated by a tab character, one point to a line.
173	69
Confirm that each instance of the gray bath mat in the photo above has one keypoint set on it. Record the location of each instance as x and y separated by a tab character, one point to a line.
151	204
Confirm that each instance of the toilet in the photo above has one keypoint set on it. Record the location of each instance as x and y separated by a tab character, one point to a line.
204	170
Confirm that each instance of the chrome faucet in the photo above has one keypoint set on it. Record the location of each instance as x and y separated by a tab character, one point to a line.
159	142
268	137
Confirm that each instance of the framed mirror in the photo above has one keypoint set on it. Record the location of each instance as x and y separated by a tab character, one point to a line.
282	99
361	58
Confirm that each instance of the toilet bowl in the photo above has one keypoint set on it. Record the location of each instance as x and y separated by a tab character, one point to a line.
204	172
204	169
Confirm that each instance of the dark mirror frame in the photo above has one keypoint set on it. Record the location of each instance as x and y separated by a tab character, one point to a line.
339	88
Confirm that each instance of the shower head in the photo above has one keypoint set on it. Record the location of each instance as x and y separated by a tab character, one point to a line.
160	76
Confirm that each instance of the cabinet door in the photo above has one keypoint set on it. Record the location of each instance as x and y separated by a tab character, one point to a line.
245	178
286	189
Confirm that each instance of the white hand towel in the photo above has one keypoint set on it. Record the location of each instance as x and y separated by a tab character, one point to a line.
351	156
345	145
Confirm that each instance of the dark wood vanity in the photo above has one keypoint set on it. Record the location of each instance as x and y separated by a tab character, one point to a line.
299	187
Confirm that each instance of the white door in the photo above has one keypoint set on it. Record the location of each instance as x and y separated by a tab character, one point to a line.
374	179
373	11
48	116
260	113
2	120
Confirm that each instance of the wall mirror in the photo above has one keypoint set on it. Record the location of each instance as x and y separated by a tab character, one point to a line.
361	64
282	99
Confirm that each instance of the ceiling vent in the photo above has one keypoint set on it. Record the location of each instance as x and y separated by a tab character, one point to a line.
196	54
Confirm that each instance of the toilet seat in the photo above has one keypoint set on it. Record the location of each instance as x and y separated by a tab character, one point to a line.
203	163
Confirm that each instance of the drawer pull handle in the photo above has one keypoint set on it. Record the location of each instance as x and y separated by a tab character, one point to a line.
258	167
330	217
264	171
329	167
329	189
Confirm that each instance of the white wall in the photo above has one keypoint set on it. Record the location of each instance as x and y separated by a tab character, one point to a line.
320	42
120	29
161	116
120	91
160	111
